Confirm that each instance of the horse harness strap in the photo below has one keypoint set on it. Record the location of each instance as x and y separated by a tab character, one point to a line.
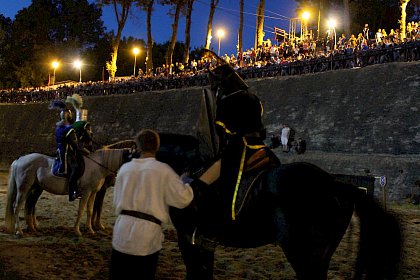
141	215
241	168
101	165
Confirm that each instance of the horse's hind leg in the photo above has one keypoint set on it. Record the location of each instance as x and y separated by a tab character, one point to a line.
16	209
30	202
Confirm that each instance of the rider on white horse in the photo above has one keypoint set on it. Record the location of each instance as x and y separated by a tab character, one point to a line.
81	125
69	155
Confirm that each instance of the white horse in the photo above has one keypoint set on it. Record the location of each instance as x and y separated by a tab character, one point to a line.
31	174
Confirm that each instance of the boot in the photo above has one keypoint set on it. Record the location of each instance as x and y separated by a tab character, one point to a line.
72	196
73	193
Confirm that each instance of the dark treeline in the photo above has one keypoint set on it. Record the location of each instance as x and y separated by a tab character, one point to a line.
64	31
67	30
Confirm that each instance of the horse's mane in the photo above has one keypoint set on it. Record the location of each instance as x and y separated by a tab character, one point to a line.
123	144
110	157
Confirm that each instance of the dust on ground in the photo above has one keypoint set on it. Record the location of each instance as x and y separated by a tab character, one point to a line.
55	252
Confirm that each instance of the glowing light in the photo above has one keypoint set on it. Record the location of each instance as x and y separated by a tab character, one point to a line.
332	23
220	33
136	51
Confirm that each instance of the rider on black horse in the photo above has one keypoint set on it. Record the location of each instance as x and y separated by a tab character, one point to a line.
241	133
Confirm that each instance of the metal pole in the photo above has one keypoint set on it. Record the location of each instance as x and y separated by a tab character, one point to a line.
54	77
135	61
319	20
218	51
335	39
80	74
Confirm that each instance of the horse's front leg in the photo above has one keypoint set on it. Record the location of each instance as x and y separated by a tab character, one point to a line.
97	208
82	205
89	211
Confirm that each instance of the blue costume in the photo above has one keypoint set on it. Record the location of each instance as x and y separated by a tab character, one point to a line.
64	137
71	160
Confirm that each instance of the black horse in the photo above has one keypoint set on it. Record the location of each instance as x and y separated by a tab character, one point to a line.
298	206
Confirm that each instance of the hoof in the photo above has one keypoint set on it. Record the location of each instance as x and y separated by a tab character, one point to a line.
100	227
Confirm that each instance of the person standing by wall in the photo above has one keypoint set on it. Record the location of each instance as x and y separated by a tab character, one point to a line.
143	191
285	133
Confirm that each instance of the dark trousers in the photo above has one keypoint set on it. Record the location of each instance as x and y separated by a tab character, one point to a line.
124	266
73	169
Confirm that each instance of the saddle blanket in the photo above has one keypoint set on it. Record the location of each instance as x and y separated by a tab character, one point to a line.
246	188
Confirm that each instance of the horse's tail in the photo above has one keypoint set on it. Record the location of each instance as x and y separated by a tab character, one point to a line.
11	198
380	245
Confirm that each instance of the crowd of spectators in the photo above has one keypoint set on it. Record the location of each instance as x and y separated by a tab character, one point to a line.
290	57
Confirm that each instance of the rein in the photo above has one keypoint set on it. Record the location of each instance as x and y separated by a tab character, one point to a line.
101	165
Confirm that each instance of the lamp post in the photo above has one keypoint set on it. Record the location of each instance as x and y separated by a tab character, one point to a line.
304	31
331	26
78	65
55	65
220	34
136	51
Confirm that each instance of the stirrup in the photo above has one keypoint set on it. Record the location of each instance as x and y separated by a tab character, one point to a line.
204	242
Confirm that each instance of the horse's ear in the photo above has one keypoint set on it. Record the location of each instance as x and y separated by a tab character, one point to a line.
127	155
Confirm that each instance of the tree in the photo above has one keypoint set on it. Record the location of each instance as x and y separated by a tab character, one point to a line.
147	5
259	35
346	17
121	15
125	53
5	36
377	13
213	6
403	19
240	30
177	10
190	4
47	30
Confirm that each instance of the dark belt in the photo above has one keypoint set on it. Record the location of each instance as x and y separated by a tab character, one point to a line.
141	215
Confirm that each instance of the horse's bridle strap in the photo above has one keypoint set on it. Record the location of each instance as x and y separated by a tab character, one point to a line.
141	215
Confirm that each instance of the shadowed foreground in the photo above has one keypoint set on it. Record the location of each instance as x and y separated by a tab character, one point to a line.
56	253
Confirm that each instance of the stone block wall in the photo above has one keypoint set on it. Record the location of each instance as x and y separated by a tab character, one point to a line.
355	121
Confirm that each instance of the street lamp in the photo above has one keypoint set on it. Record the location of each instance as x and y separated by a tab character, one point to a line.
220	34
55	65
78	65
331	25
304	31
136	51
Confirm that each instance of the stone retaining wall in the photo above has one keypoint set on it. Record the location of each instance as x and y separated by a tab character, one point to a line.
355	121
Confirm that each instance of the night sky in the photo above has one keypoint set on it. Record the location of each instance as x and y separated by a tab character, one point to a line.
277	13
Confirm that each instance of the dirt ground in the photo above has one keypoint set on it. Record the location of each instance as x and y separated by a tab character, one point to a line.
55	252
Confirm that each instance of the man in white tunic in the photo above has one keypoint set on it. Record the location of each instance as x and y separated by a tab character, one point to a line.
143	191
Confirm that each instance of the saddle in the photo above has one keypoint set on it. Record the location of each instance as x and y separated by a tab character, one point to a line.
258	160
57	169
258	164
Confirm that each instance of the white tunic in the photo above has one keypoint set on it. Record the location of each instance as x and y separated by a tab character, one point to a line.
148	186
285	132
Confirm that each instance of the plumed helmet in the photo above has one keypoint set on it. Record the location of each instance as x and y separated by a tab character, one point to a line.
223	77
77	102
66	115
